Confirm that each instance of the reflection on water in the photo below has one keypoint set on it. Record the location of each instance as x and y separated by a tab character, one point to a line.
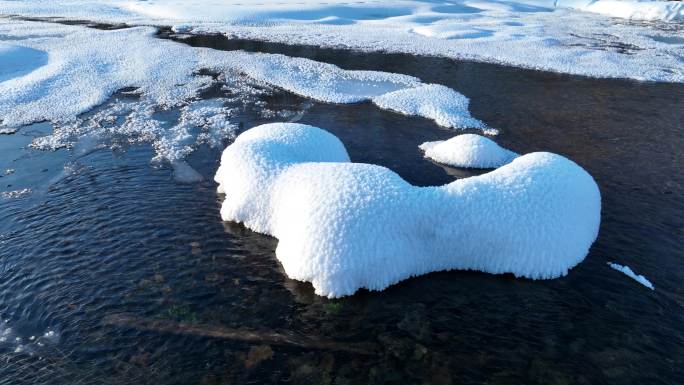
144	284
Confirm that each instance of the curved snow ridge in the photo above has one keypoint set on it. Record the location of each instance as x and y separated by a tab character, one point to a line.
468	151
344	226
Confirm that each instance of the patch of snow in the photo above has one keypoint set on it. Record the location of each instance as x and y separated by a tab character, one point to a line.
469	151
344	226
671	11
86	66
445	106
184	173
628	272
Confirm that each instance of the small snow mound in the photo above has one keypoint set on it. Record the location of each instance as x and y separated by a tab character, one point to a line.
344	226
442	104
628	272
469	151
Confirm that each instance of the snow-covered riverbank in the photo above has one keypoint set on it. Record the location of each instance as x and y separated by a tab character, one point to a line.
537	34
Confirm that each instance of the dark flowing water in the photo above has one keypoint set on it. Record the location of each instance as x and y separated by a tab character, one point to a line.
141	283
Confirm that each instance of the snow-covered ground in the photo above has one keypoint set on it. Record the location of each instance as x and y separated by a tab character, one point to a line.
540	34
344	226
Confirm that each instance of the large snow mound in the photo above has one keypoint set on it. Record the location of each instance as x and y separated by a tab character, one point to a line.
344	226
469	151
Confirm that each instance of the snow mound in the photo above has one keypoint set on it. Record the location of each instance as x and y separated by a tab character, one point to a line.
344	226
445	106
628	272
469	151
16	61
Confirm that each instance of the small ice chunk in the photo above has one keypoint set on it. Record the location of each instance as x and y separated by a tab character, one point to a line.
184	173
469	151
628	272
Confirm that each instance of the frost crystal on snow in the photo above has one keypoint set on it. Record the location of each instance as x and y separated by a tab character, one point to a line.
344	226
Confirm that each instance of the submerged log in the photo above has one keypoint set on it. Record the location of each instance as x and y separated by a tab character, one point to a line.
269	337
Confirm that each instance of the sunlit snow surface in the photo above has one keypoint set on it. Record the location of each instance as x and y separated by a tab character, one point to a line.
469	151
344	226
539	34
58	72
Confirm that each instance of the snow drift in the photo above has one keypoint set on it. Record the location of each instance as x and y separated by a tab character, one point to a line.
16	61
468	150
345	226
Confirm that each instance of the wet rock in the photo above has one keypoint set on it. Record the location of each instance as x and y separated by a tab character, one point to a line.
258	354
416	324
547	373
158	278
398	347
419	352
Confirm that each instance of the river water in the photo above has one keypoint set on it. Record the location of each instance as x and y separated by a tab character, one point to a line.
111	272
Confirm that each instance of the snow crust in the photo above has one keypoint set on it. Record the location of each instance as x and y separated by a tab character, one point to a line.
631	274
469	151
344	226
